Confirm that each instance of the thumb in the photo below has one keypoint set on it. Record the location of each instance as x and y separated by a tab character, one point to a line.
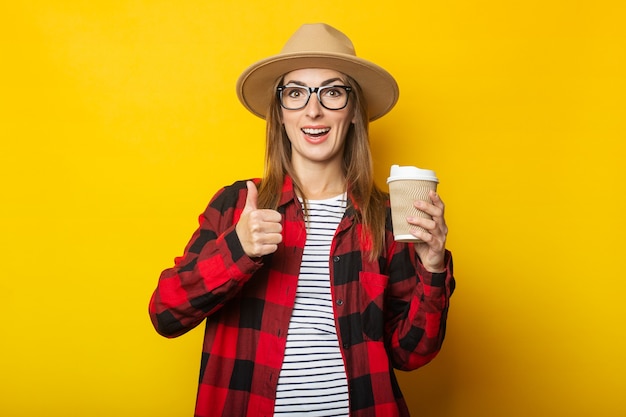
251	198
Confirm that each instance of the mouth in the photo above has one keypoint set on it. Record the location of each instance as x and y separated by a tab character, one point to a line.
315	132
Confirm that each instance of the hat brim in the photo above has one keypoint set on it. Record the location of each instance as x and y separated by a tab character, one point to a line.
254	86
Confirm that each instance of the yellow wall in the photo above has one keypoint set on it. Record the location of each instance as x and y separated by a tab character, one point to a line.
118	121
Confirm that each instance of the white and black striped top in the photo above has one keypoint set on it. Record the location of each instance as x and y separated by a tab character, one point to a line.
313	381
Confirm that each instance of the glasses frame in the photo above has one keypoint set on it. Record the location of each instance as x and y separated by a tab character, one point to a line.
312	90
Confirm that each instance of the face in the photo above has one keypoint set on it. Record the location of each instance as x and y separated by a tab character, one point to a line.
317	135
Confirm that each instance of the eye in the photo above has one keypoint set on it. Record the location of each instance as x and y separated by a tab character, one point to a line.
295	92
334	92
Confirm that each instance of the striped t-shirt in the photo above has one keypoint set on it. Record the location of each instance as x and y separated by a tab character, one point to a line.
313	381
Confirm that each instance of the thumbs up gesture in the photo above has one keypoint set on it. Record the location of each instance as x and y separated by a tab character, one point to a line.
259	230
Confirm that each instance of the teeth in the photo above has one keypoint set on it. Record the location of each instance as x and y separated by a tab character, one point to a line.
315	131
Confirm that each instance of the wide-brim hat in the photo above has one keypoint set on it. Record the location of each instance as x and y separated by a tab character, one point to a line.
317	46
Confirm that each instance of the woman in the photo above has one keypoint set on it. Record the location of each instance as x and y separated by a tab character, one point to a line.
309	301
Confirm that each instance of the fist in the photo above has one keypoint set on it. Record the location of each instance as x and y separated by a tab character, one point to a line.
259	230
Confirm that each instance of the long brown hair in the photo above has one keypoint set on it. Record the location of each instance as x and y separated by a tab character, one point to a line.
368	199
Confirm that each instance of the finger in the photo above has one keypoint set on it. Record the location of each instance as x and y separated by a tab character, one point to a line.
424	237
268	243
271	239
428	224
429	208
265	221
251	198
262	243
435	227
268	249
435	242
436	199
270	226
270	216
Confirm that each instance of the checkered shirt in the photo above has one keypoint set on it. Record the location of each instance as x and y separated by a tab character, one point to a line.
390	313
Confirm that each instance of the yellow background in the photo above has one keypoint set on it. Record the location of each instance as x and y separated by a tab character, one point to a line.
119	120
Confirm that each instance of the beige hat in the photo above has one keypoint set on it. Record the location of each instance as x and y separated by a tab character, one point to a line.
317	46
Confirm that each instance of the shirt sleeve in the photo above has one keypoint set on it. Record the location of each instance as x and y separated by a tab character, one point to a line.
417	307
212	269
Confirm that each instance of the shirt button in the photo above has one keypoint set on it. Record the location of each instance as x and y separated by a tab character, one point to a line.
336	259
339	302
346	346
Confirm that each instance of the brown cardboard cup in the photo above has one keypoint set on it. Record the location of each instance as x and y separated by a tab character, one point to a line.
407	184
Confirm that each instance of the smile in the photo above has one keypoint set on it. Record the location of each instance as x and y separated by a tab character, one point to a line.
315	132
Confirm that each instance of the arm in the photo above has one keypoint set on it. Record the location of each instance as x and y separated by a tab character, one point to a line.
211	271
418	302
421	283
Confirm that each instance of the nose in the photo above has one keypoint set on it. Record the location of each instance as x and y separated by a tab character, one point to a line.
314	108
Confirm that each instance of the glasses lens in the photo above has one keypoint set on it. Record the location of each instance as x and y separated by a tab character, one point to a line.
294	98
333	97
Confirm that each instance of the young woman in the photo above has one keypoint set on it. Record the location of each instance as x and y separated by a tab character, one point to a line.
310	303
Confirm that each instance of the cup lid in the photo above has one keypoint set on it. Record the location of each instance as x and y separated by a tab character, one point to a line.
411	173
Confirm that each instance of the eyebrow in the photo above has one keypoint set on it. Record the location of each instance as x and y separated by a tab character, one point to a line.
327	82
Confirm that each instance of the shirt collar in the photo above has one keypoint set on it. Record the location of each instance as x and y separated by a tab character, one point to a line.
287	194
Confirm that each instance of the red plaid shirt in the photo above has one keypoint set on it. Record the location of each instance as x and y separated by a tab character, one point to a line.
390	313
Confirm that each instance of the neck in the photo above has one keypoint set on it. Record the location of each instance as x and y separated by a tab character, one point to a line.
321	181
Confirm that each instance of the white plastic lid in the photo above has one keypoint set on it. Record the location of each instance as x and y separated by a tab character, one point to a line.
411	173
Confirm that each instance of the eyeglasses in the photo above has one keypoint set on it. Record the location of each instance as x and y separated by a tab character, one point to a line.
296	97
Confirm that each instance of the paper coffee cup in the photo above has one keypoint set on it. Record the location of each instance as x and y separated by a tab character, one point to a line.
407	184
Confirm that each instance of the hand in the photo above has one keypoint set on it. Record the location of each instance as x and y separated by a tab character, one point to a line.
259	231
431	250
